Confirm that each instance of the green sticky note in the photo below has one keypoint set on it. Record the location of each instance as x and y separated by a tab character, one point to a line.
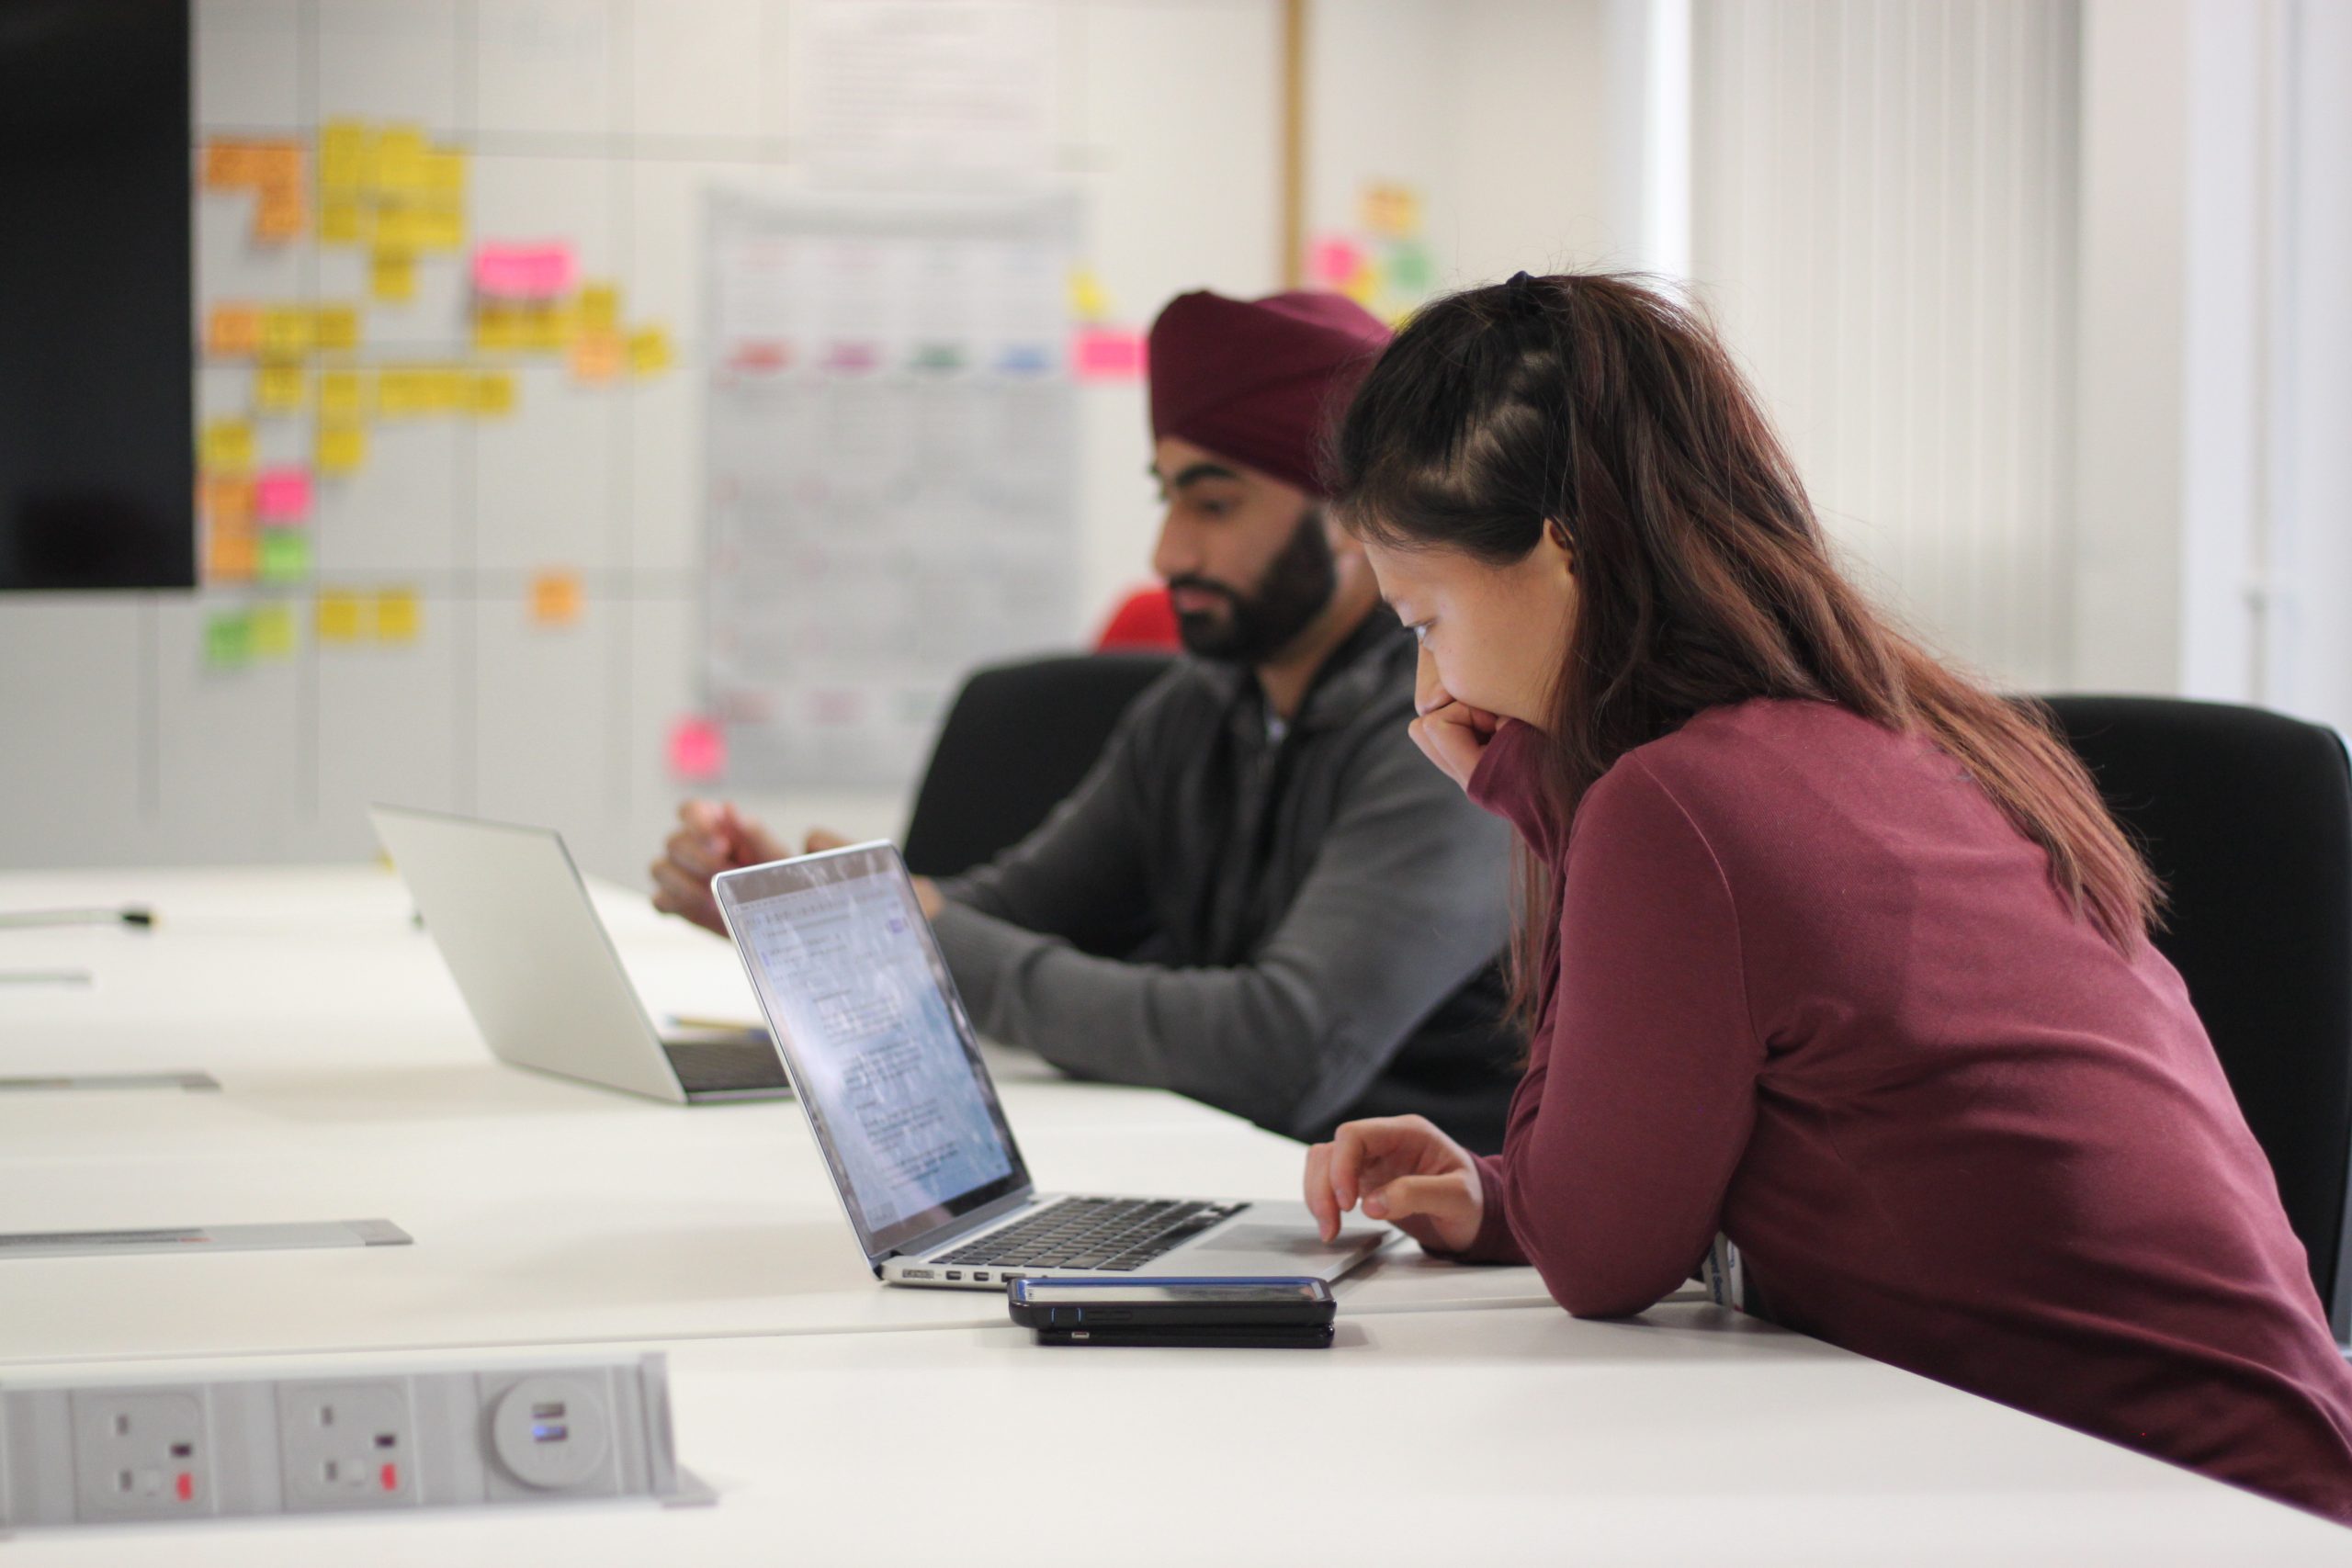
228	640
284	555
1409	271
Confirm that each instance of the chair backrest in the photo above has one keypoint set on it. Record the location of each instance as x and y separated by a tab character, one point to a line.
2246	816
1018	738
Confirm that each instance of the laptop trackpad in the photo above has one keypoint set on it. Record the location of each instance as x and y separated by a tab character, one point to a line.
1261	1245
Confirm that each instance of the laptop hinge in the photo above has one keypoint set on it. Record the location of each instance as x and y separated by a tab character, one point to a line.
961	1225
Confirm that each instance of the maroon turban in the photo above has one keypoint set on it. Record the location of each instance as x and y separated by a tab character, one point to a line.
1255	380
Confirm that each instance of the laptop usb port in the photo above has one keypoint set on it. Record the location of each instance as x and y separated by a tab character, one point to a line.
982	1276
918	1273
954	1273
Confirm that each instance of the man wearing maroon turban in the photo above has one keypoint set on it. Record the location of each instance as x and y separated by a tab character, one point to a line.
1261	896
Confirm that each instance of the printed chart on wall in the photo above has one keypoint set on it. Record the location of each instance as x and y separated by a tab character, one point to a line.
891	473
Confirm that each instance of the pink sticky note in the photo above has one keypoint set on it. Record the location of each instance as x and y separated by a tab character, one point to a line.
1335	260
524	272
282	495
697	749
1107	353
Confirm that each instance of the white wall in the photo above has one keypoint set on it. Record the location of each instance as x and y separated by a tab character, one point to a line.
1884	225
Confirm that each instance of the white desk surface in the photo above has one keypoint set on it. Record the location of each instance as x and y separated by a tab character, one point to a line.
547	1213
1510	1436
544	1211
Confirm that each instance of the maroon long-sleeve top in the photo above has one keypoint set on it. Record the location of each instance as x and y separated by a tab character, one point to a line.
1815	991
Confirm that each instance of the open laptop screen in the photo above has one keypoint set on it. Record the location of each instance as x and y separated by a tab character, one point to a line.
881	1055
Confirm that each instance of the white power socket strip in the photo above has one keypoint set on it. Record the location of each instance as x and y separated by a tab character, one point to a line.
337	1440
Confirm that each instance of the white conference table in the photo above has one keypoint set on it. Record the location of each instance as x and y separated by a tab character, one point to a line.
544	1211
1516	1435
1461	1417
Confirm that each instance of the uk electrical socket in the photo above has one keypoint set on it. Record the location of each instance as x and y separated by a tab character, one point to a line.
404	1433
142	1453
347	1444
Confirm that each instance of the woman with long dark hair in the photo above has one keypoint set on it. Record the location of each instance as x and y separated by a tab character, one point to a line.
1822	945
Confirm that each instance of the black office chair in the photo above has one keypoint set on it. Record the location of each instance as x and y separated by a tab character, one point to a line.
2246	816
1018	738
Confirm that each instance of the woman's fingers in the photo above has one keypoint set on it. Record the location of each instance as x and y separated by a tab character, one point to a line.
1318	1184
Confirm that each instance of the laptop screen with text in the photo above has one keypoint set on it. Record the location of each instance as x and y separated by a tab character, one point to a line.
881	1055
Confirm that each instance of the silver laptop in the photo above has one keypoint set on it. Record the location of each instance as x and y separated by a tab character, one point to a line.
861	1007
515	925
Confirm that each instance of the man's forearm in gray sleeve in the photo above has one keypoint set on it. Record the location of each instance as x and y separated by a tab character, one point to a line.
1406	901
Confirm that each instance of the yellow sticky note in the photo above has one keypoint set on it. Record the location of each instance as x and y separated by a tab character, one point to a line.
229	445
398	616
396	230
343	395
342	617
440	228
547	328
232	330
648	351
343	156
498	329
451	390
600	306
342	448
269	631
391	277
280	388
597	357
444	174
287	331
400	160
1088	299
337	328
555	598
339	220
1391	211
403	391
494	393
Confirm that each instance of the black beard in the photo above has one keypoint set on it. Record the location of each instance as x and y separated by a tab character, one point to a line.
1296	588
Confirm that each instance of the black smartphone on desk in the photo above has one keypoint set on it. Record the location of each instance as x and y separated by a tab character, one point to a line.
1269	1313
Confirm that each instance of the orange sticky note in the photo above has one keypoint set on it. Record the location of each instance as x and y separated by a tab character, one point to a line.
277	165
231	555
596	356
232	330
280	216
555	598
228	164
228	503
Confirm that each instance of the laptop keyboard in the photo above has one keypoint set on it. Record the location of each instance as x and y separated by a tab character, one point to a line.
718	1066
1108	1236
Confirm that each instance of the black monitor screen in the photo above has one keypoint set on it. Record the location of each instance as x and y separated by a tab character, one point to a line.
97	461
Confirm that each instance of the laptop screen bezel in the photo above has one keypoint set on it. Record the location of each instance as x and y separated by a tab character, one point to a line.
737	890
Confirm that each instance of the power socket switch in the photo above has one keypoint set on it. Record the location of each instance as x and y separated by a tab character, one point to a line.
401	1435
